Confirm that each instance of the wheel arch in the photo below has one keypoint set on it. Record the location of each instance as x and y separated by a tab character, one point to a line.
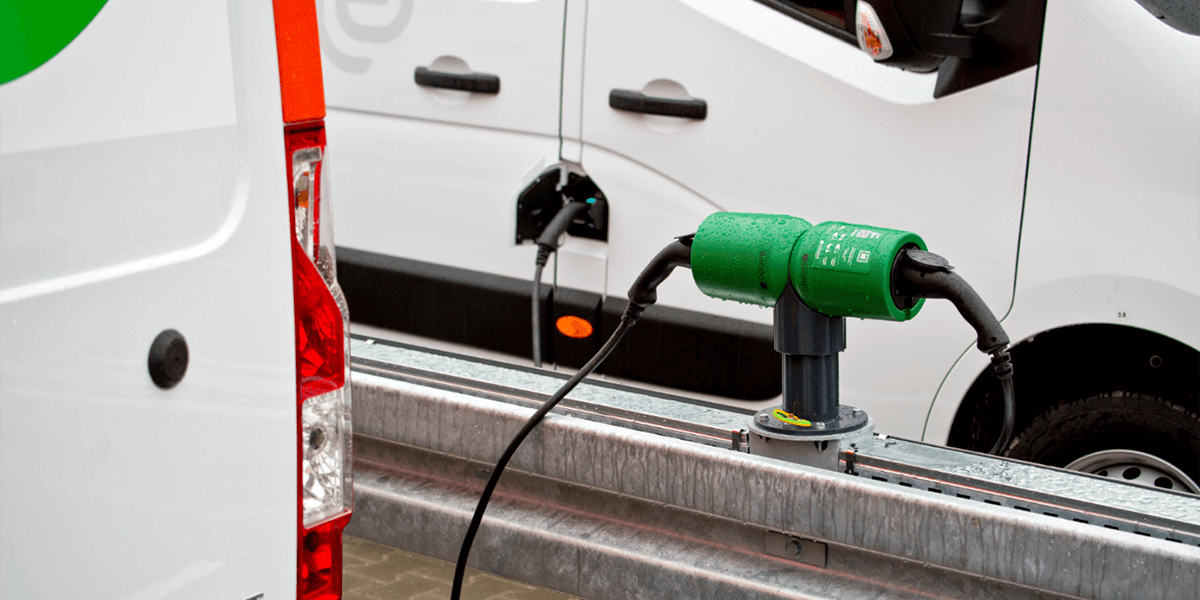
1073	316
1073	362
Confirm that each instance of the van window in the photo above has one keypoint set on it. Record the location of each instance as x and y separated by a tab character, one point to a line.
827	15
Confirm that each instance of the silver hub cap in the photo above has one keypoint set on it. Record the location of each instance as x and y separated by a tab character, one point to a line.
1136	467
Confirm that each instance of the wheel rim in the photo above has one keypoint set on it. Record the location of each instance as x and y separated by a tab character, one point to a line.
1135	467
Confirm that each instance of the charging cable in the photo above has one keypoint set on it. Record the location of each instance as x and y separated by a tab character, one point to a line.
641	295
548	242
921	274
1002	367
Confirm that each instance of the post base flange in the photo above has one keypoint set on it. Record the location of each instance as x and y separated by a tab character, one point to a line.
814	446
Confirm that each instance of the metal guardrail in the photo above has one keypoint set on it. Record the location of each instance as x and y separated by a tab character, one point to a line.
1101	502
630	495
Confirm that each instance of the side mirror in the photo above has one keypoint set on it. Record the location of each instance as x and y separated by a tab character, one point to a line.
909	34
968	42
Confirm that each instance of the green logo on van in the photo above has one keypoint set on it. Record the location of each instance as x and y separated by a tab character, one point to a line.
33	31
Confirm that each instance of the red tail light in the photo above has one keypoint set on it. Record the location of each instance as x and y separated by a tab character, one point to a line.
322	348
325	491
322	373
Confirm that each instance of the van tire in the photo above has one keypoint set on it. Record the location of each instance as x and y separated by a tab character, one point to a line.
1116	420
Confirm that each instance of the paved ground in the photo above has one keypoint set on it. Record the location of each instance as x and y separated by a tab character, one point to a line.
375	572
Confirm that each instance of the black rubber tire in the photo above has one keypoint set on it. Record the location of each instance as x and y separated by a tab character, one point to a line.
1113	420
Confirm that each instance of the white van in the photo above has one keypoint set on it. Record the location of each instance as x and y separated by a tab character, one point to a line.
1048	149
174	407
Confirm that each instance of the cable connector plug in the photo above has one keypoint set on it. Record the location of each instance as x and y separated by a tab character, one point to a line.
1002	363
921	274
644	292
548	240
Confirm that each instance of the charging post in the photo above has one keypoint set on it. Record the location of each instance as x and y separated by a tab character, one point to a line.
814	426
814	277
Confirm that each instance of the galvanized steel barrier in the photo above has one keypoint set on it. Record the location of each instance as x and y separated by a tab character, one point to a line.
622	494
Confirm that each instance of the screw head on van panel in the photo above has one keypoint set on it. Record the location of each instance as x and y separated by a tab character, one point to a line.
168	359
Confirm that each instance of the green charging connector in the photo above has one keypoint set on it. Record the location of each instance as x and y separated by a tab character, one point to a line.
845	270
837	269
744	256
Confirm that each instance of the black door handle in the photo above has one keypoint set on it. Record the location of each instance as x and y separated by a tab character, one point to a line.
634	101
480	83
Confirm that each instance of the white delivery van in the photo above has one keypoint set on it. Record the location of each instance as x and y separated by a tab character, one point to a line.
174	406
1048	148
